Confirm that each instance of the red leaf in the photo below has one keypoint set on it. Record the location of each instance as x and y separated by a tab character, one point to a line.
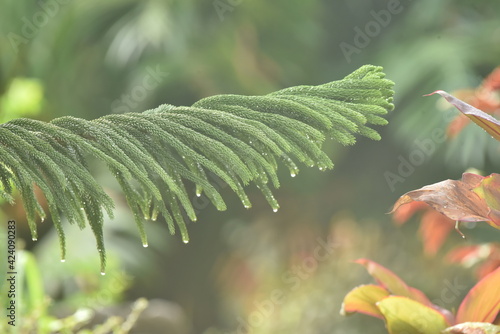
488	267
471	255
482	303
434	228
484	120
457	125
405	212
492	82
395	285
468	255
392	282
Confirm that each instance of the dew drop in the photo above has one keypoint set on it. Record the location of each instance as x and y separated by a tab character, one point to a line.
275	210
198	194
103	273
244	200
145	245
42	219
63	260
34	239
185	241
293	175
457	228
154	214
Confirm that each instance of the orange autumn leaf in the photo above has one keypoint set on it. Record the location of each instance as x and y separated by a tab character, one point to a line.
405	212
492	82
399	305
457	125
392	282
482	303
434	228
486	255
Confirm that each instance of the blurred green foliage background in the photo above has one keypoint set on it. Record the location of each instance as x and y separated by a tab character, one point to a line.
91	58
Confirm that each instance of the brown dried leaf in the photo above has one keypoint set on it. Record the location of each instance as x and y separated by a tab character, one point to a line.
453	198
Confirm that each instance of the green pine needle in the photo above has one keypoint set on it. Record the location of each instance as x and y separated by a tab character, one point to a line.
157	155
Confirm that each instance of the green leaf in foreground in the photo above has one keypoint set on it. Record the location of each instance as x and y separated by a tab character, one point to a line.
406	316
363	299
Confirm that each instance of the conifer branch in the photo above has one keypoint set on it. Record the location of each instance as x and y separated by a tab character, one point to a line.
157	155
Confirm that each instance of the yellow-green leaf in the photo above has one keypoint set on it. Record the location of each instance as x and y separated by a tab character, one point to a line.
362	299
406	316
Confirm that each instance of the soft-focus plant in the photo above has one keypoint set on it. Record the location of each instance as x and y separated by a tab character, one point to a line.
485	255
34	311
407	310
474	198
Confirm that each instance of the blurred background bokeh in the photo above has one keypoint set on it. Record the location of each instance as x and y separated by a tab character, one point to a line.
254	269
